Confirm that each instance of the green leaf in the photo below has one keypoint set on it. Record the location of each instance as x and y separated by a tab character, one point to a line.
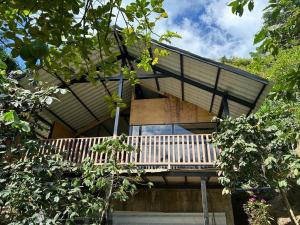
261	35
282	183
56	199
47	195
3	66
250	5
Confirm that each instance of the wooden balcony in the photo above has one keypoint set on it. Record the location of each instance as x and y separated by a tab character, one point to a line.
151	152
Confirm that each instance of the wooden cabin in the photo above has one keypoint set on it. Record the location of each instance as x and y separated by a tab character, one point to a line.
170	119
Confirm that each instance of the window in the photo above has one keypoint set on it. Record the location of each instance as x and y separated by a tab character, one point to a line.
181	128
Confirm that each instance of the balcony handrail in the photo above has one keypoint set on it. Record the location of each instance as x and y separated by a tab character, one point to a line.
155	151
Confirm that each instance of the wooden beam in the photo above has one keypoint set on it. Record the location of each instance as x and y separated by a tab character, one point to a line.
215	89
182	76
204	201
154	71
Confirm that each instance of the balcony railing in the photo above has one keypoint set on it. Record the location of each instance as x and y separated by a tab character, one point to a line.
156	151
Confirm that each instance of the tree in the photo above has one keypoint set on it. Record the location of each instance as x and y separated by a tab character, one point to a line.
40	188
259	152
65	36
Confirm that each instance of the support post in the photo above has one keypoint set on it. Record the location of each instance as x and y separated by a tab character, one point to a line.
117	115
204	200
224	109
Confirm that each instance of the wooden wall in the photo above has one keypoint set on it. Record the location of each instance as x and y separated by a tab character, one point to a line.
165	111
177	200
61	131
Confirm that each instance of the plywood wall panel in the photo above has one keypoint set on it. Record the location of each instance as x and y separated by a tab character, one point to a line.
166	110
61	131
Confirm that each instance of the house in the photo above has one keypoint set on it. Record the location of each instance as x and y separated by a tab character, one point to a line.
170	119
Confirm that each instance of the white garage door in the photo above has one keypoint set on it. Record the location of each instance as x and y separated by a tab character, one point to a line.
158	218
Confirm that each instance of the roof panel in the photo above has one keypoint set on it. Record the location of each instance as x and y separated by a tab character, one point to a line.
197	96
239	86
200	71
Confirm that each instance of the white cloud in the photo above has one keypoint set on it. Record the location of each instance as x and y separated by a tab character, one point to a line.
214	31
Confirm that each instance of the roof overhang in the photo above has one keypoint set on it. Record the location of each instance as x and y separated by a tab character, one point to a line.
192	78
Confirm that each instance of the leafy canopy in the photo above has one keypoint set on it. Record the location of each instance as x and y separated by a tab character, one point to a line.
80	36
40	188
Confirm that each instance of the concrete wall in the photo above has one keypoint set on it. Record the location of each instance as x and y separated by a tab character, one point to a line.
178	200
165	111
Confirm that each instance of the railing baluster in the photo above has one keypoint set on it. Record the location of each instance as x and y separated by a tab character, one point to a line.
193	148
203	149
159	150
198	149
127	153
146	149
135	146
164	149
83	151
96	154
70	149
173	149
208	149
188	148
150	149
60	148
183	148
141	149
154	149
178	148
169	157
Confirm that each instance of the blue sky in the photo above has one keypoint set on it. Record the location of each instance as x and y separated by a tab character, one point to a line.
209	29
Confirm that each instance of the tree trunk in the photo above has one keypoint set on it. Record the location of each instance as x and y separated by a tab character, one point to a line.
288	206
110	186
107	198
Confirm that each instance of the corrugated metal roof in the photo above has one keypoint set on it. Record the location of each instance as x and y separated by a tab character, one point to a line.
200	77
197	74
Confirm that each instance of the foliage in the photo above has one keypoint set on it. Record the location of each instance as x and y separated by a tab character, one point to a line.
67	36
257	152
281	27
257	211
44	189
